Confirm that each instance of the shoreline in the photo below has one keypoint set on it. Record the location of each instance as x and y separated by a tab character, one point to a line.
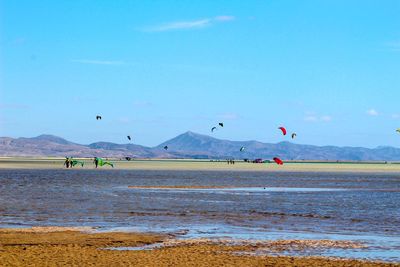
202	165
85	246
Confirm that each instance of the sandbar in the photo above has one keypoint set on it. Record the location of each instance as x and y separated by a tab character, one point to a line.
47	246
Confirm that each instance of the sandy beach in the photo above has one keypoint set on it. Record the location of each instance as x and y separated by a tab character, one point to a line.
202	165
56	246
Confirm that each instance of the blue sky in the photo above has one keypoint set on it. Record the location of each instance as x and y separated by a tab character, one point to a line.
328	70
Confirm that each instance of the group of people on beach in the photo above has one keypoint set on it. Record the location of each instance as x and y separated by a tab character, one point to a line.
69	162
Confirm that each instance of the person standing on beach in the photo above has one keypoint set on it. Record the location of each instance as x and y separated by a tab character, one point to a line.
70	162
66	163
96	162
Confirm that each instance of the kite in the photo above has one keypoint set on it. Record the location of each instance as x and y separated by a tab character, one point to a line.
221	124
398	130
213	129
128	158
294	135
283	130
98	117
101	162
242	149
75	162
129	137
278	161
166	147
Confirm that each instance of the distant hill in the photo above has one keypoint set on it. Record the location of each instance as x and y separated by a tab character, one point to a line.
208	147
192	145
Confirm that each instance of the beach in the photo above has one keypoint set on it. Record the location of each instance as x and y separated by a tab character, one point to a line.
199	133
199	165
71	247
198	213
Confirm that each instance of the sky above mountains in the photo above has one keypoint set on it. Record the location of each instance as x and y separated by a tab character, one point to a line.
328	70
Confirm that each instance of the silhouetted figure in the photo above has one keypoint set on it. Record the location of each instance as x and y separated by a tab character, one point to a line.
66	162
96	162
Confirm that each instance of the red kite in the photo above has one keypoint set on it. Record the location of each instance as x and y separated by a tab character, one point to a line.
278	161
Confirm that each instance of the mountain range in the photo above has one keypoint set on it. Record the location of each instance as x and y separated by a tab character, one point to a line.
192	145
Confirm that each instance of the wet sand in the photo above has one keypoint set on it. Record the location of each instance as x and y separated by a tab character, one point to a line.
71	247
202	165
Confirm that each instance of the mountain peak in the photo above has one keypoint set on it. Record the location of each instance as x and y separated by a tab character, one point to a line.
190	133
188	141
51	138
193	134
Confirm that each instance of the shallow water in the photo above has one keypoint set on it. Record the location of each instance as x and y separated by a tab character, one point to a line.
292	205
242	189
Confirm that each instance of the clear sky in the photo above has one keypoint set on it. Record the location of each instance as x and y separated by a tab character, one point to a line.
328	70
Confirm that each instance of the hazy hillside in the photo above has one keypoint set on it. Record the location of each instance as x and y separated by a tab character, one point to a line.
191	145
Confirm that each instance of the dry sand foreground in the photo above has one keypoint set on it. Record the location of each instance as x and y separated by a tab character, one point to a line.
200	165
57	246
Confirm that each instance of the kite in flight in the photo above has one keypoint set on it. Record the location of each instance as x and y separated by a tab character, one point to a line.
398	130
294	135
213	129
283	130
166	147
221	124
278	161
129	137
98	117
242	149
